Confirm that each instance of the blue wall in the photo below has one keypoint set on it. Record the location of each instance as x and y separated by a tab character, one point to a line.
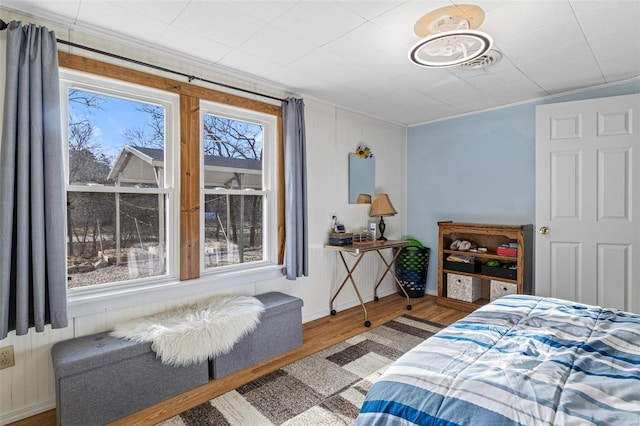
479	168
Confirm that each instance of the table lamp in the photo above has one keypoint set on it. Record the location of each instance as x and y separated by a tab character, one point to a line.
382	207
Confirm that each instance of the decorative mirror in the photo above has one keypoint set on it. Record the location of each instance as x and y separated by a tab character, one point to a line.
362	176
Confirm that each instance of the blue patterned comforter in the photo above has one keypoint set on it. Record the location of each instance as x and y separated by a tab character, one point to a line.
518	360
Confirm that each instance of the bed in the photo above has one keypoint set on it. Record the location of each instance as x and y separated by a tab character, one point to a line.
518	360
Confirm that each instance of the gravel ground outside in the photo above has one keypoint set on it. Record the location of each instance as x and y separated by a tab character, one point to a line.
122	272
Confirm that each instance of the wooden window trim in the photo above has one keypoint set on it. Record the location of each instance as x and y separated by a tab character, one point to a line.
190	96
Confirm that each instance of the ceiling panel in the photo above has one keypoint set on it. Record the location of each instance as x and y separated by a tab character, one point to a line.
191	44
169	11
330	21
563	35
463	96
217	21
507	86
125	24
298	82
369	9
268	41
550	72
263	10
618	61
247	63
514	19
399	22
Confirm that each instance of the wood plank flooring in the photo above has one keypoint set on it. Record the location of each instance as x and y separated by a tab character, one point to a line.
317	335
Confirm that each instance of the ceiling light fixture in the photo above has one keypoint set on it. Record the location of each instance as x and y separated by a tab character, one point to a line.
450	37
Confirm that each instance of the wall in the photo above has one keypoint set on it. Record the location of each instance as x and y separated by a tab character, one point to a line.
332	133
477	168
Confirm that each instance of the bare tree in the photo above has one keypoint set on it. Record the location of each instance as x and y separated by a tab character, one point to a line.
85	99
152	133
225	137
87	164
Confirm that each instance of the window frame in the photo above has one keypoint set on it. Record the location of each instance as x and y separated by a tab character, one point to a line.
269	227
189	283
70	79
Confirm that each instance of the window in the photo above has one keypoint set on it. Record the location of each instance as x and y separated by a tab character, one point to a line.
120	167
237	164
137	209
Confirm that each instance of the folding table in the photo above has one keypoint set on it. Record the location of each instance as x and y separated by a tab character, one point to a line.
359	251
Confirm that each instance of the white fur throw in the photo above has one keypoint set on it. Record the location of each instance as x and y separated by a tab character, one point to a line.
192	334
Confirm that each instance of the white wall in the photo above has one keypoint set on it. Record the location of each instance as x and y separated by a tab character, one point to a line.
332	133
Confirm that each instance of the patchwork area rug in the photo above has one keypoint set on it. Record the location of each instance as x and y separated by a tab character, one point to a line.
326	388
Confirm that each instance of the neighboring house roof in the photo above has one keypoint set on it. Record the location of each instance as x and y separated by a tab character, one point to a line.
157	154
137	164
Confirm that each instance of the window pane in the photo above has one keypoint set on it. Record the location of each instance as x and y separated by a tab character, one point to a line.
233	229
114	140
114	237
232	152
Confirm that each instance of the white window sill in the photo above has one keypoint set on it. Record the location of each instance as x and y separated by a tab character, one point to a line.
84	303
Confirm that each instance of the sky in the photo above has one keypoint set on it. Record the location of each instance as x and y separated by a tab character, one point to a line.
111	121
114	116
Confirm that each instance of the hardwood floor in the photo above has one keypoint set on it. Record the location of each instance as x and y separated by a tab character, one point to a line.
317	335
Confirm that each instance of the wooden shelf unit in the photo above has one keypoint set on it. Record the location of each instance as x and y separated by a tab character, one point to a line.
489	236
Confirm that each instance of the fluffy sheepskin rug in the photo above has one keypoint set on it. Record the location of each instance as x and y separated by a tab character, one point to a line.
192	334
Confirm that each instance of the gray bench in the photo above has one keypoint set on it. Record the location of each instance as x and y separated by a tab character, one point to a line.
101	378
279	331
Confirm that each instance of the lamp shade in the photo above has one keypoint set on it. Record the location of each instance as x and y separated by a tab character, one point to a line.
382	206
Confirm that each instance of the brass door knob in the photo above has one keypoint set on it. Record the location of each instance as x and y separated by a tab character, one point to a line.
544	230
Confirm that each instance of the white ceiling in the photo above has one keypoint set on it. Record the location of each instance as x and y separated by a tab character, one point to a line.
354	53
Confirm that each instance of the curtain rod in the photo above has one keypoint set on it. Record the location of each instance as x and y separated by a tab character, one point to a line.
4	25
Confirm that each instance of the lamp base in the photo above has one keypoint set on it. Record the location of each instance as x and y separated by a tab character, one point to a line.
381	227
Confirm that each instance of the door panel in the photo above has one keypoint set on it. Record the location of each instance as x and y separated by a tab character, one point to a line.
569	127
614	123
614	285
585	196
565	270
614	187
565	185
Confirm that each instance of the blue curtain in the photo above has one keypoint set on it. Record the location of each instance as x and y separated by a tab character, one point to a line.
33	287
296	252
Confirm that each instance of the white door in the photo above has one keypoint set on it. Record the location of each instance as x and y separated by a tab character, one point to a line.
587	206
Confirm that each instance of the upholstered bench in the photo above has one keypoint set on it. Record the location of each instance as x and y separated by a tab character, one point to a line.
279	331
101	378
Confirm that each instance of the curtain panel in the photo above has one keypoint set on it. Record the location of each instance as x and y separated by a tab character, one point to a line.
33	288
296	257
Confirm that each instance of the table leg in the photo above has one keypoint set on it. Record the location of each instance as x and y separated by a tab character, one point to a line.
393	274
349	277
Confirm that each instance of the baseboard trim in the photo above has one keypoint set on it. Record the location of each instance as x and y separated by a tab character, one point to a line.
346	305
24	412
